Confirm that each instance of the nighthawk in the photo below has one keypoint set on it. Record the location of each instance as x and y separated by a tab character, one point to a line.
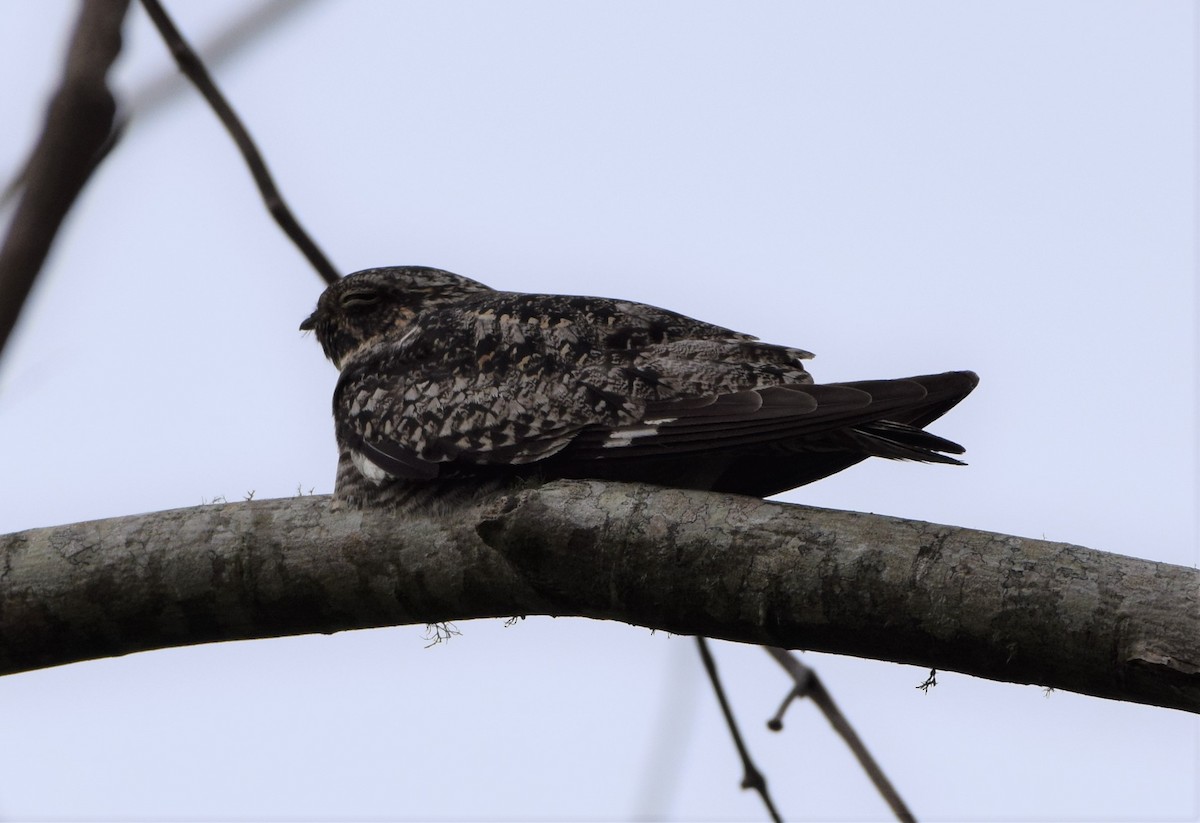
449	389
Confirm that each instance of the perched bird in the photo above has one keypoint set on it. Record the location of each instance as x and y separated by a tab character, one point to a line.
450	389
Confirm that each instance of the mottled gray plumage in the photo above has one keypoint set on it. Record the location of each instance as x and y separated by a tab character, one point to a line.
449	388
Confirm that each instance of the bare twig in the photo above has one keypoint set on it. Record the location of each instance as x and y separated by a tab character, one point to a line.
752	778
807	684
246	25
78	129
193	68
438	633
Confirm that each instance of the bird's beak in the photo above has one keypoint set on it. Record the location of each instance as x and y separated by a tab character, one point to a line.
309	323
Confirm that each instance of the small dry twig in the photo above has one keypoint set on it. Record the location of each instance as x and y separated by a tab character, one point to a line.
436	633
191	65
752	777
807	684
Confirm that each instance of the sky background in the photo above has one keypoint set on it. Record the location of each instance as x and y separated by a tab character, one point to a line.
902	188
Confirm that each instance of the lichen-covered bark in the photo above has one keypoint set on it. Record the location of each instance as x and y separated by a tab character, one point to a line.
237	571
995	606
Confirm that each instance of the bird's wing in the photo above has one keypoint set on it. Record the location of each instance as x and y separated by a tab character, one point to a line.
516	378
517	384
506	383
411	423
869	417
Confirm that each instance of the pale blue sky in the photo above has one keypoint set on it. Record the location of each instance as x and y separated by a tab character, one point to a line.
901	188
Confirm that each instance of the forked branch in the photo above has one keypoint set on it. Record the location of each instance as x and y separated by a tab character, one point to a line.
806	683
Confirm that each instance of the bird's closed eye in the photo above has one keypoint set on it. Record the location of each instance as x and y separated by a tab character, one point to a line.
359	299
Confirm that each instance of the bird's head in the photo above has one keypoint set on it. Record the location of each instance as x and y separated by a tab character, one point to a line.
367	305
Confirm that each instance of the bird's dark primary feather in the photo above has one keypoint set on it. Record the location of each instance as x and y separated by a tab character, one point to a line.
449	388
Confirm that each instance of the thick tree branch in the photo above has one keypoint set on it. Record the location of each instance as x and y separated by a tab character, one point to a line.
990	605
76	135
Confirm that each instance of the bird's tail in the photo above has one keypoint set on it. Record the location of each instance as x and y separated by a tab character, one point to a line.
899	441
889	426
899	435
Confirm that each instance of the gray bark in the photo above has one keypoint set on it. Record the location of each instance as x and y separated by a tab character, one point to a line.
990	605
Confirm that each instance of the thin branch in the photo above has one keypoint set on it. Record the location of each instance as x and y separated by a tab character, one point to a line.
246	26
808	684
78	128
752	778
193	68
